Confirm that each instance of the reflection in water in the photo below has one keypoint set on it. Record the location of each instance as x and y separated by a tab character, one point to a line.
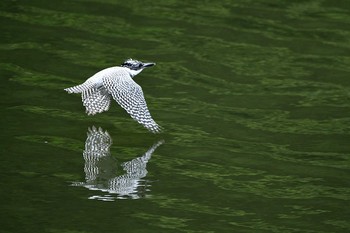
101	169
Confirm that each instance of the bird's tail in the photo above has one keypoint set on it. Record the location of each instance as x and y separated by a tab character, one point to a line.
79	88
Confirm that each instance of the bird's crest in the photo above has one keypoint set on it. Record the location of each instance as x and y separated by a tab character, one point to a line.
132	64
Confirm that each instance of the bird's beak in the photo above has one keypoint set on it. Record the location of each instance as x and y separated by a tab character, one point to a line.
148	64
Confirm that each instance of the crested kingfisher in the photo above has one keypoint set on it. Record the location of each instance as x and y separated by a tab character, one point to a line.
117	82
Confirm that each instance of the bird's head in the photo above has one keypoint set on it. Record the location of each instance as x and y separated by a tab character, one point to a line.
135	64
134	67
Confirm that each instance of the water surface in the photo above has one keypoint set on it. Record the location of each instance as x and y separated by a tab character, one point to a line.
253	96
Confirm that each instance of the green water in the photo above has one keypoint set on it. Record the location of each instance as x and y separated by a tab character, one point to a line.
254	97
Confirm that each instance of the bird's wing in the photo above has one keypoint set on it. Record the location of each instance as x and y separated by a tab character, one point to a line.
128	94
96	100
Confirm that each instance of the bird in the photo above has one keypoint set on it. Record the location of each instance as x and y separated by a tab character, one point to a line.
117	82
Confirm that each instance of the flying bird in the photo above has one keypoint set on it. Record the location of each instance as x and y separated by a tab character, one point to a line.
117	82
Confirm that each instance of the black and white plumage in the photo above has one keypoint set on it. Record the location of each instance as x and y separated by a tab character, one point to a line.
117	82
101	169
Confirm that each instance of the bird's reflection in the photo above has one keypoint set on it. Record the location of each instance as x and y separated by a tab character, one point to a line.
101	169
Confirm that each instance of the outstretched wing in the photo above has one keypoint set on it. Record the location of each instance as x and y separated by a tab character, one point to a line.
96	100
128	94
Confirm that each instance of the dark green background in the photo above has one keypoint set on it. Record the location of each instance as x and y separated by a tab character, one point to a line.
254	96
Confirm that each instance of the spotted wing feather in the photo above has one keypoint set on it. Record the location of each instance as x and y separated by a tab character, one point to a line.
128	94
96	100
